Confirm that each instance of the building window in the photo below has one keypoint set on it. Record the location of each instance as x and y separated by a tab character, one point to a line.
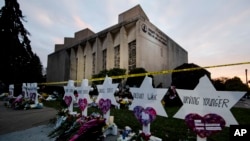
132	55
161	51
84	66
93	63
117	57
104	59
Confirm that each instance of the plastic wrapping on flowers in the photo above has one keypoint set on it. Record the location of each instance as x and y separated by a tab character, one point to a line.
74	128
141	137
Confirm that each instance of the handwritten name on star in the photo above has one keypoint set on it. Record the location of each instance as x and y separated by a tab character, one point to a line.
83	91
210	102
69	90
107	90
150	96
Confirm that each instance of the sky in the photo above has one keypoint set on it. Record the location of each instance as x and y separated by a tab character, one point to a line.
213	32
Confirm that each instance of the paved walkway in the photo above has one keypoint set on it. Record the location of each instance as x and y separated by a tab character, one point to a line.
244	103
16	120
38	133
28	125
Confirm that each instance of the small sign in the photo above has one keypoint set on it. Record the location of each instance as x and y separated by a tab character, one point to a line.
239	132
205	126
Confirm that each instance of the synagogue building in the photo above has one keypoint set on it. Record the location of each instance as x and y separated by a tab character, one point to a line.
134	42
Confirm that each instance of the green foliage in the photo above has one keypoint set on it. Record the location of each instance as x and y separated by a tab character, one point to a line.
136	81
235	84
219	83
188	79
229	84
111	72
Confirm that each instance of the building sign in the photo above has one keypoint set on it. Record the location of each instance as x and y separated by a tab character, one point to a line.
154	33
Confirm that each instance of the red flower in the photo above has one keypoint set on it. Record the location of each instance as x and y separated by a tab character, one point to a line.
145	137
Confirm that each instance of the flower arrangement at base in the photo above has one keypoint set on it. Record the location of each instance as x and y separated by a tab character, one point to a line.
128	135
90	130
21	103
77	127
141	137
125	102
4	96
124	98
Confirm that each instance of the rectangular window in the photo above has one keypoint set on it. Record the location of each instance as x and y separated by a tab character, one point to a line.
93	63
132	55
104	59
84	66
161	51
117	57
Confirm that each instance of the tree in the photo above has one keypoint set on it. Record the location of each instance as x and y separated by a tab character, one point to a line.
219	83
231	84
18	63
188	79
235	84
111	72
137	81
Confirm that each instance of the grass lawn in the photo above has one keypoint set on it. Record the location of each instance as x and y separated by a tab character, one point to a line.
169	129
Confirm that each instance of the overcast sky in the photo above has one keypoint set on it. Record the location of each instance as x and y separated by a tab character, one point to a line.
214	32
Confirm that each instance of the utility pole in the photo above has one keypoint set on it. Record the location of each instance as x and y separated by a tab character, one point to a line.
246	77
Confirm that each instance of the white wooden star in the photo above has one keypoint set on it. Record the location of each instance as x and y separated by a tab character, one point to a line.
69	92
147	96
204	99
107	90
83	91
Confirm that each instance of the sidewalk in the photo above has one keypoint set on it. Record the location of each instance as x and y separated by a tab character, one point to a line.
28	125
38	133
244	103
16	120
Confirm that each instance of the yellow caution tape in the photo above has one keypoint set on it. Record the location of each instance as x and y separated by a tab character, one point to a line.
149	73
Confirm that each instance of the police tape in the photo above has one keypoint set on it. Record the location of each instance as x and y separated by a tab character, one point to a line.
149	73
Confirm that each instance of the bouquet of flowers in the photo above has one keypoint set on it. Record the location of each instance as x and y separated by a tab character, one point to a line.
77	127
18	103
124	98
91	130
64	122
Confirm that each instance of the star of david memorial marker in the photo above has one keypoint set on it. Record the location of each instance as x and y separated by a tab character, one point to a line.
69	97
34	93
11	90
83	98
205	110
147	103
106	96
24	90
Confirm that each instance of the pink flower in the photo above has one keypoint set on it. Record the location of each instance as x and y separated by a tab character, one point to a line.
74	137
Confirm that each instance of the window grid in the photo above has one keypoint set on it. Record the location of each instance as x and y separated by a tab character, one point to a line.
132	55
104	59
93	63
117	57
